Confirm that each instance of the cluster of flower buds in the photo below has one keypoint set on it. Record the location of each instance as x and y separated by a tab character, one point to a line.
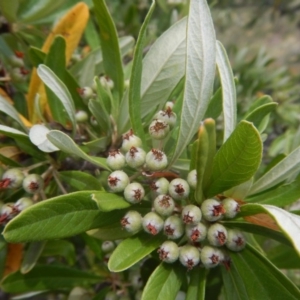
10	209
206	238
14	178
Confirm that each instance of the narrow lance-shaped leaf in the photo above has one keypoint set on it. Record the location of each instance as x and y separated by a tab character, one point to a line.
163	68
55	59
280	172
132	250
237	160
228	91
200	73
134	93
8	109
164	282
31	256
58	87
66	144
110	46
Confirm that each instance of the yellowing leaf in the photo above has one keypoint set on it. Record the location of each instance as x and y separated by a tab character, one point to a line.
71	27
11	152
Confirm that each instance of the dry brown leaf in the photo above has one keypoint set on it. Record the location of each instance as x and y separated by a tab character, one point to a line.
13	258
263	220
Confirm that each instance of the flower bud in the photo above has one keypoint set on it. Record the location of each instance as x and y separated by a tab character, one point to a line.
107	246
179	189
173	227
192	179
132	221
168	252
106	82
153	223
169	105
189	256
191	214
81	116
160	186
217	235
130	140
156	160
12	179
19	74
23	203
158	129
196	233
115	160
8	211
117	181
86	92
235	240
135	157
134	192
211	257
212	210
164	205
231	208
16	60
33	183
167	116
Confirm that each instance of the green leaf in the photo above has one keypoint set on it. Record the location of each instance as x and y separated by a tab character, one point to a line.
9	10
80	180
215	105
98	110
109	201
289	223
58	87
36	56
47	277
134	92
257	115
66	144
252	276
9	110
164	282
281	196
132	250
31	256
280	172
60	248
163	68
59	217
55	60
110	46
196	289
228	91
111	232
199	73
92	64
284	257
237	160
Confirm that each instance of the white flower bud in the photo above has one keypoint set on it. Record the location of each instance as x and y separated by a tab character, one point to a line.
179	189
117	181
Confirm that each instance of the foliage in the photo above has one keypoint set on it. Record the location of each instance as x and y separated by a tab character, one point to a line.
96	144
